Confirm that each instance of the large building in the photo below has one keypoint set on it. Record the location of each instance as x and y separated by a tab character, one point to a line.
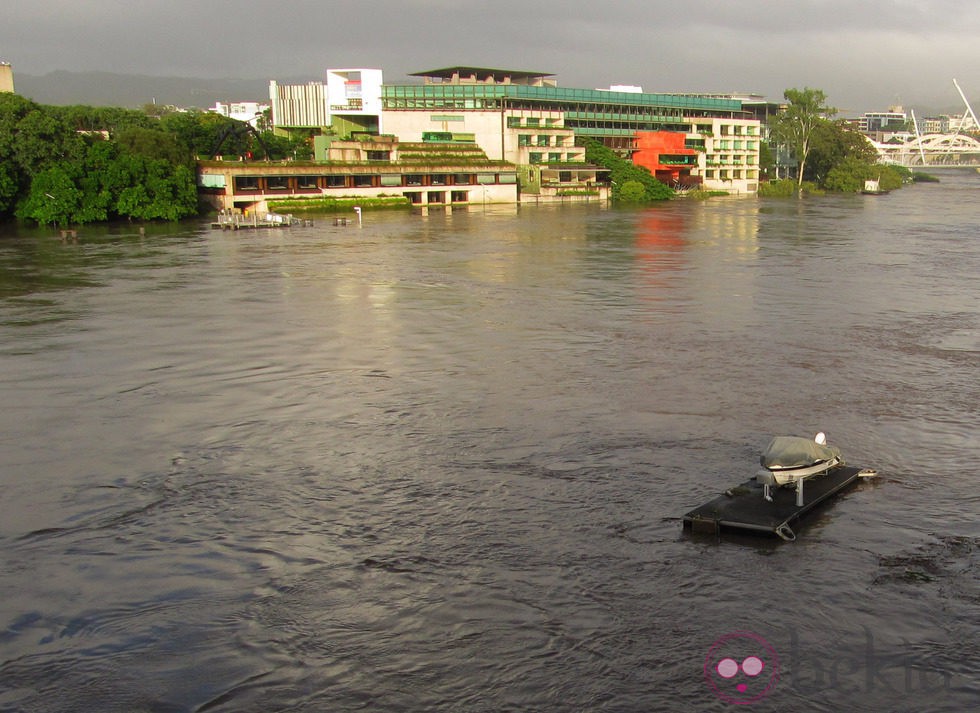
424	173
525	119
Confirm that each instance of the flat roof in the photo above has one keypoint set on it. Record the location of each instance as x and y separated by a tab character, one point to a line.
497	74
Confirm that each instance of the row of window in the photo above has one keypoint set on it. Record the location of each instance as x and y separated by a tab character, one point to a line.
736	145
553	157
553	96
452	104
246	184
729	129
544	140
532	122
437	197
750	160
619	127
729	175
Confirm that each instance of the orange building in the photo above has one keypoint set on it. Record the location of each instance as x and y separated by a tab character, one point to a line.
664	153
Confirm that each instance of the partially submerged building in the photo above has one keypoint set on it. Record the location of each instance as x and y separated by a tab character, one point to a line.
525	127
424	173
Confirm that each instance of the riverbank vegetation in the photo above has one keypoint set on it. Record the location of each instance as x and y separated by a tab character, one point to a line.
62	165
830	155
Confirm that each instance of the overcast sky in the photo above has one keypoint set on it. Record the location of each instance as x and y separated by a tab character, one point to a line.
865	54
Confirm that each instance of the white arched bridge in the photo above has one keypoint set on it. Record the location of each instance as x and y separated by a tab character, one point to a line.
946	150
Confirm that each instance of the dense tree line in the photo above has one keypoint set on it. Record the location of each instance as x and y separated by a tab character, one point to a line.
82	164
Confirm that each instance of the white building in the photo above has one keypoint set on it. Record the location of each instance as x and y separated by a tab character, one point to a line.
892	120
348	102
730	154
249	112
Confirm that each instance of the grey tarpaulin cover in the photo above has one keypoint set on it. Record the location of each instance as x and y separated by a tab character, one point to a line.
796	452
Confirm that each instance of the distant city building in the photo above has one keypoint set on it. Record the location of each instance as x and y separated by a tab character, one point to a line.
934	125
895	119
249	112
6	77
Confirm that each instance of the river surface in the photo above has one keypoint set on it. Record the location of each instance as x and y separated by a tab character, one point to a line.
440	462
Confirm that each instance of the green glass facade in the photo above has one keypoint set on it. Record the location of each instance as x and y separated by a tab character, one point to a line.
587	111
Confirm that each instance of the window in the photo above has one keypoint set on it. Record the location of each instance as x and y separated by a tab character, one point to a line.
277	183
379	155
460	196
554	157
523	140
463	178
535	157
306	182
533	122
336	181
363	181
246	183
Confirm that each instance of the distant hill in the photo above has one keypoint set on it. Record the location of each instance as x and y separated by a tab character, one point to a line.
134	91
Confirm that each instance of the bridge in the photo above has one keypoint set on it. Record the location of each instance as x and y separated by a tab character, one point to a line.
956	149
938	150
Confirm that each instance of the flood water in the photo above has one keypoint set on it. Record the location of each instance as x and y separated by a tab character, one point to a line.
440	462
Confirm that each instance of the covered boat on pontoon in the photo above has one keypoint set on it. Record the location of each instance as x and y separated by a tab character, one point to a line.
789	460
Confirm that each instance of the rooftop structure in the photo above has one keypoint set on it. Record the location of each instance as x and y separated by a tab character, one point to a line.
485	75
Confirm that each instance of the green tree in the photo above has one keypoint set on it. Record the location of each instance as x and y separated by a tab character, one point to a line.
53	199
833	142
849	176
632	192
627	178
795	125
153	143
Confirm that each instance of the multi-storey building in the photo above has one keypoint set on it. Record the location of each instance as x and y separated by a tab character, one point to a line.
524	118
892	120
